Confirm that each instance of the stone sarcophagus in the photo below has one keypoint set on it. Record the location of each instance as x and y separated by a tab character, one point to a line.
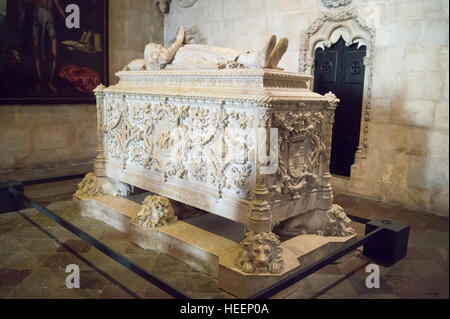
226	132
249	145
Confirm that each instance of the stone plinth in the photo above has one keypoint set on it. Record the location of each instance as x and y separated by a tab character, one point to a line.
205	250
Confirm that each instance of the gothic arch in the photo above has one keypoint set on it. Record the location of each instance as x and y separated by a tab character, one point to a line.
324	32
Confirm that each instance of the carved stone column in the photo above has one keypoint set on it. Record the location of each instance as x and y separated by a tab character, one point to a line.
260	250
100	159
325	176
260	217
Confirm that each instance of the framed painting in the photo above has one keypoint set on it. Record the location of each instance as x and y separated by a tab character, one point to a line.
52	51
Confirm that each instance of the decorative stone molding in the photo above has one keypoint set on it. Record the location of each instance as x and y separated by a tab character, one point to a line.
260	253
338	222
336	3
100	160
186	3
324	32
156	211
90	186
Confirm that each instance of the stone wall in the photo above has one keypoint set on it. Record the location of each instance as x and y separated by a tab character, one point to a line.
43	141
408	148
132	25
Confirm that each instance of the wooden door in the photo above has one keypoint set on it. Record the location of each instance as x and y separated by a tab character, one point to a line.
340	69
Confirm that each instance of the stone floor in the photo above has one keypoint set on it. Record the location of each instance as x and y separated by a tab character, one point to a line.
34	253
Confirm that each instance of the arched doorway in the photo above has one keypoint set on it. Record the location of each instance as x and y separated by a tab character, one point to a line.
323	33
340	69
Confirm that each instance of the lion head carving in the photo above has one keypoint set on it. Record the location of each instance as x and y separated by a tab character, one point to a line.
90	186
260	253
156	211
338	222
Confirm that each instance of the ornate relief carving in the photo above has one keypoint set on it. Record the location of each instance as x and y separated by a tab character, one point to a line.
325	31
338	222
260	253
336	3
201	144
90	186
238	179
186	3
300	150
156	211
200	79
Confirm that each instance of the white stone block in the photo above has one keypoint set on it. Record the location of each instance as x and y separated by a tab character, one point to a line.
380	111
428	173
438	143
408	32
395	172
414	112
417	10
434	33
424	85
416	141
438	172
421	59
441	119
439	203
234	9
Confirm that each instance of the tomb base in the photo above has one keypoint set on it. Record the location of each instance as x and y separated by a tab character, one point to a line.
206	244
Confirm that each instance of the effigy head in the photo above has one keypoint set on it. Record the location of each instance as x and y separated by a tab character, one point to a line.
260	253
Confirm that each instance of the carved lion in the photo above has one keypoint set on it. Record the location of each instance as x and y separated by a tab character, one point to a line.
156	211
260	253
90	186
338	222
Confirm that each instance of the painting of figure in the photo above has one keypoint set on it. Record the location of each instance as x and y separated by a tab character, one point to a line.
52	50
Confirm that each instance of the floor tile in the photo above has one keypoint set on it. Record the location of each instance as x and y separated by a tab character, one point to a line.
13	277
77	245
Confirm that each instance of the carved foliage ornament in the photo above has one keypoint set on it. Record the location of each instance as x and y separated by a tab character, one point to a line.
189	142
